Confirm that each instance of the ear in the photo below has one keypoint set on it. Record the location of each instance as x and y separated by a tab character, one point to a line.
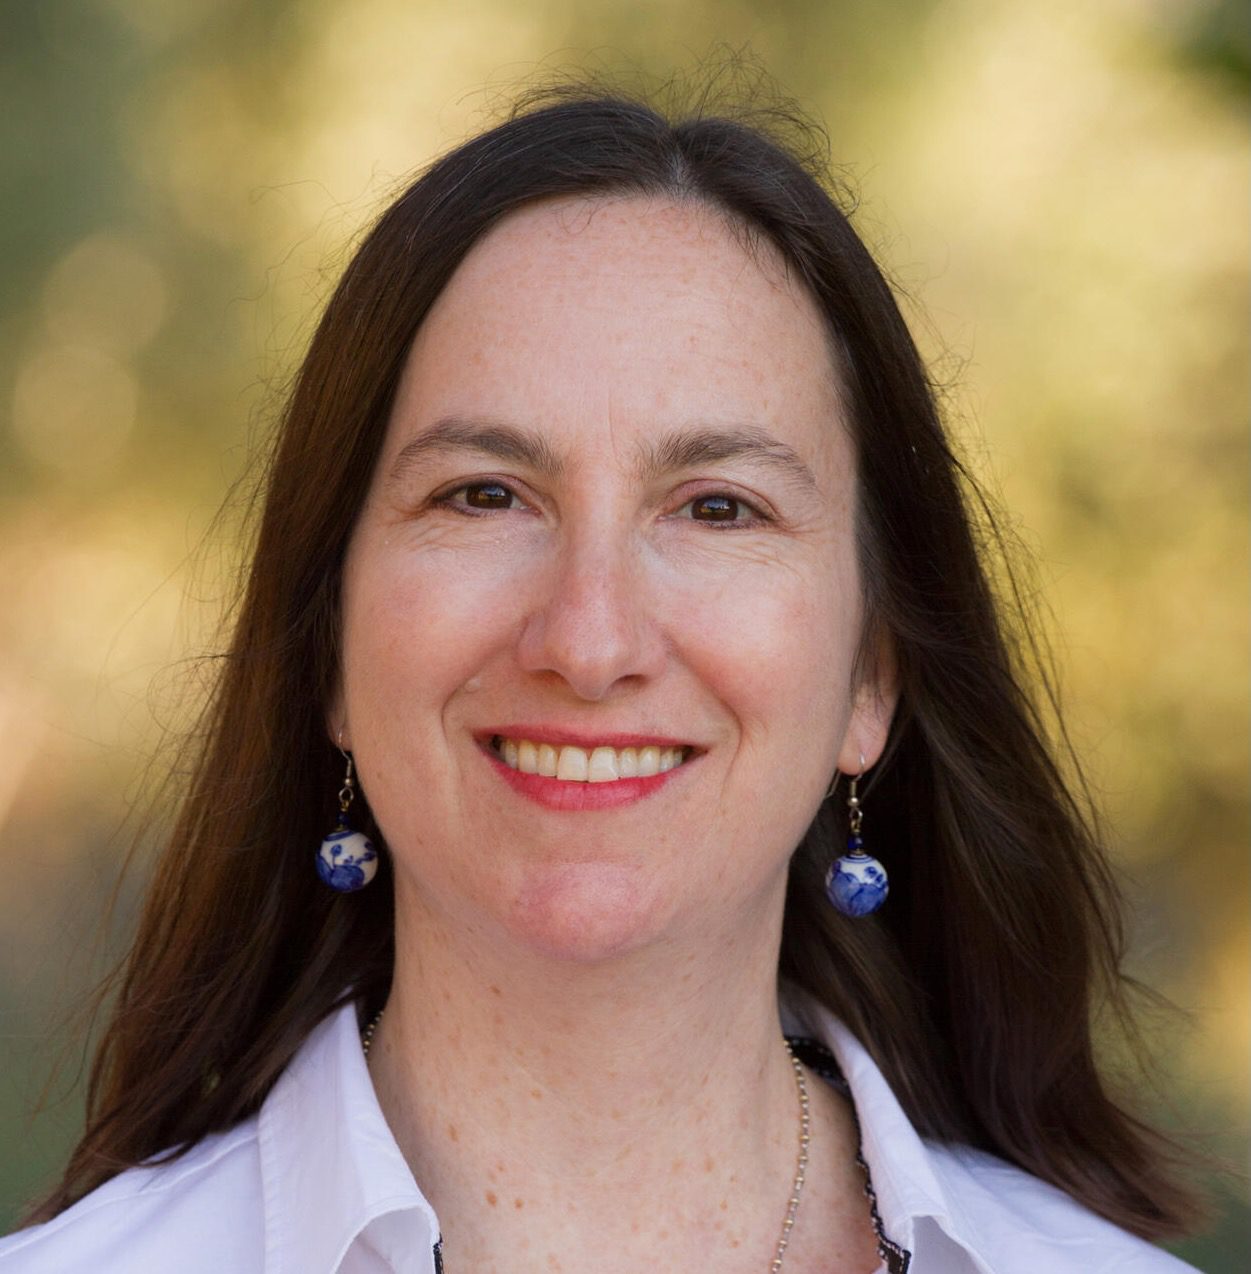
876	696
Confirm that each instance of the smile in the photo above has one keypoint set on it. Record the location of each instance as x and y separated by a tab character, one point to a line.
569	764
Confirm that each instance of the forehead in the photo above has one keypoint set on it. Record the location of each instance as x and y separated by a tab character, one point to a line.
638	312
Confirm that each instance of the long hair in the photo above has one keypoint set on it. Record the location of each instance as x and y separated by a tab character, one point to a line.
974	990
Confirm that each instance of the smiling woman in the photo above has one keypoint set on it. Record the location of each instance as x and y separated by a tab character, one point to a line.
611	522
638	570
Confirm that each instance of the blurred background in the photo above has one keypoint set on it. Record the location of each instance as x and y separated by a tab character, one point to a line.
1060	191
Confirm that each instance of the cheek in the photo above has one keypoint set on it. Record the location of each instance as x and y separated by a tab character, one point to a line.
421	626
786	677
418	622
779	657
782	670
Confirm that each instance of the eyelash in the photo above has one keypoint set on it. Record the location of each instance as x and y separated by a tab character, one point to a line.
755	516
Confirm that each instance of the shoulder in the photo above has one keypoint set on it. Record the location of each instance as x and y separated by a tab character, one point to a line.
200	1212
1015	1222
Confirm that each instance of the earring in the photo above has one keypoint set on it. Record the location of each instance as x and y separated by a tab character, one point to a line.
347	860
856	883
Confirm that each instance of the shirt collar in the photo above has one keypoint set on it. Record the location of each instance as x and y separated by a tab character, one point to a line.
331	1172
333	1176
905	1178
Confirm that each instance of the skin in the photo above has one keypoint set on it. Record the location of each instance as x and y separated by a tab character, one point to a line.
581	1057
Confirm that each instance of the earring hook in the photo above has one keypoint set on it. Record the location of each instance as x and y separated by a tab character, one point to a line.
348	790
838	774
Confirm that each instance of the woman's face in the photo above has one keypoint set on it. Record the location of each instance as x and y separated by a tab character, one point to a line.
610	528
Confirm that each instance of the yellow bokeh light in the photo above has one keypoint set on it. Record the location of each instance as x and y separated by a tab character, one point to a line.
73	410
105	294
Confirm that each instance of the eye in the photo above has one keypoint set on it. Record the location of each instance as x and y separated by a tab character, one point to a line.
479	497
720	508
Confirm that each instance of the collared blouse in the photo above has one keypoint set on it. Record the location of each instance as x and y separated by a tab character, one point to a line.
314	1183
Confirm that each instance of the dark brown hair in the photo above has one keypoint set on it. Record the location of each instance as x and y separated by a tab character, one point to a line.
974	989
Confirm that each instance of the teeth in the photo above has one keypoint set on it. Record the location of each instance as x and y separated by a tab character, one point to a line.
603	766
577	765
574	765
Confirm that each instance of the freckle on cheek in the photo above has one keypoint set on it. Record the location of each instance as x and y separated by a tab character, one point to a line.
491	1198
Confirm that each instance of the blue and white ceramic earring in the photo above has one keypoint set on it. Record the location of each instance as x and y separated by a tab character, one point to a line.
347	860
856	883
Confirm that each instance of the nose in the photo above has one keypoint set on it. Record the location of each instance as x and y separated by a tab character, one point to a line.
592	623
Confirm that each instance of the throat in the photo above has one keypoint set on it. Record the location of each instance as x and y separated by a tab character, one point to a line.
600	1173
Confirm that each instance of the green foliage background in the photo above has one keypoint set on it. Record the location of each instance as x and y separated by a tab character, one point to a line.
1060	190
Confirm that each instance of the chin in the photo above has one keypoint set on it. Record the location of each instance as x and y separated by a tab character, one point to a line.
586	913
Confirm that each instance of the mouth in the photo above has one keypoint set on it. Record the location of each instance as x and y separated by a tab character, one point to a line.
598	763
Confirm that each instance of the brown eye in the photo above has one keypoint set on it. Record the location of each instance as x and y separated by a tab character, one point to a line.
488	495
715	508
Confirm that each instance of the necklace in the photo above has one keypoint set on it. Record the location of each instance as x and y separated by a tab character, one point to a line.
805	1129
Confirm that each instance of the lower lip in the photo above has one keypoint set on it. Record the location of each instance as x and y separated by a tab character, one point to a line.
561	794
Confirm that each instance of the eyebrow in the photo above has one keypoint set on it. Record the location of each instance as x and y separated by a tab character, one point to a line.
690	448
675	450
454	433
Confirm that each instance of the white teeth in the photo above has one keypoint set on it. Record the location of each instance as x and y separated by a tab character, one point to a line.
578	765
603	767
573	765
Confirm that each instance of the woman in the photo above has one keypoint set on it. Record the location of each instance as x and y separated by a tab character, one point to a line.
613	565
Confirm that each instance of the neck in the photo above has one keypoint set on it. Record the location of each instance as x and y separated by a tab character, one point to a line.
547	1104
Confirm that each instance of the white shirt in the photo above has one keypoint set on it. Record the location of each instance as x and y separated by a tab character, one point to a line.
315	1184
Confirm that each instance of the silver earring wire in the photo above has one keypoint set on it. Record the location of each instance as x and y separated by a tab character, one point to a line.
838	774
854	813
348	790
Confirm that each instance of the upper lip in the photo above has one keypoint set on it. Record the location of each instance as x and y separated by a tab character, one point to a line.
563	735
